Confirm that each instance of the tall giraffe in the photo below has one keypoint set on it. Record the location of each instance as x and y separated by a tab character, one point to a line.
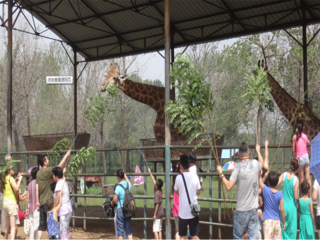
148	94
288	106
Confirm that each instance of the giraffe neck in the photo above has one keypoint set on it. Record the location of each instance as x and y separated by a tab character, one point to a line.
293	110
148	94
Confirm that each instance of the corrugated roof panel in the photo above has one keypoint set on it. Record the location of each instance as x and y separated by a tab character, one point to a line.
194	21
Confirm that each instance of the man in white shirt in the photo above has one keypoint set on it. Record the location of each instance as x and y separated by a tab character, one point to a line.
193	187
316	197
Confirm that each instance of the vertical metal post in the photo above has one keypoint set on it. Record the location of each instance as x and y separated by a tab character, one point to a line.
75	96
84	202
27	162
305	54
219	206
172	61
167	123
155	170
9	78
145	194
210	195
74	203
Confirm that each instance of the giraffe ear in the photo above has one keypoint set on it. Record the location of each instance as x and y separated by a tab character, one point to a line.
115	66
111	66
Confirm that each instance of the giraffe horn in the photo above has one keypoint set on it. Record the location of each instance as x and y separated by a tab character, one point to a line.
259	63
111	66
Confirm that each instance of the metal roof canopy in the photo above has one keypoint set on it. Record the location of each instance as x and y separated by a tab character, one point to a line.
105	29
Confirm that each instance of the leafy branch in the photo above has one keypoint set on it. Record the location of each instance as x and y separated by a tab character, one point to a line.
79	161
61	145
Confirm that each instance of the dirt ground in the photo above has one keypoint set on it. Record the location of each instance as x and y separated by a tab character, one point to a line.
104	229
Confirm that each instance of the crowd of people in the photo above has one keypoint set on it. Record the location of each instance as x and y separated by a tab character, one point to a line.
48	206
262	211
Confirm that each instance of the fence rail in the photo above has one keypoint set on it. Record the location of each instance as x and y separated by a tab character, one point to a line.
210	173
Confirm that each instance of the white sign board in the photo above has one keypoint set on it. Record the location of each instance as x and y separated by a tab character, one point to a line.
59	80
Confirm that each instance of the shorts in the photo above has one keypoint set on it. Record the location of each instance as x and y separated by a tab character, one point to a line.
304	161
157	225
176	222
10	209
272	229
317	222
43	218
193	226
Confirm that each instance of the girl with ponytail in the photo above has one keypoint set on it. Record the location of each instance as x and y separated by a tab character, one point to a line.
300	143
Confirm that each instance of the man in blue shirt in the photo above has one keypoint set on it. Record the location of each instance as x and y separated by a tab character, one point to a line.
123	224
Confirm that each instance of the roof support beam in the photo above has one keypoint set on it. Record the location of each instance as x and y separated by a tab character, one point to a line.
120	38
305	53
232	14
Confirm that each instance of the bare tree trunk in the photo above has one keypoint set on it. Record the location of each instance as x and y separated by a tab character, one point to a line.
122	122
122	133
16	141
102	155
29	130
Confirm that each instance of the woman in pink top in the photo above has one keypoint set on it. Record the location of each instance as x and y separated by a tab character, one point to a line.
175	207
31	202
299	146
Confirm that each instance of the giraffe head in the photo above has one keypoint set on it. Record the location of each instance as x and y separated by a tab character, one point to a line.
113	77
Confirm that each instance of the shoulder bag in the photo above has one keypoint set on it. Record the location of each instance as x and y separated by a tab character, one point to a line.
195	208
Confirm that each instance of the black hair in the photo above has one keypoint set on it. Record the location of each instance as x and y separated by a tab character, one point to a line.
192	157
305	187
159	184
58	172
299	126
273	179
41	160
34	172
294	164
53	186
50	203
184	161
120	174
243	148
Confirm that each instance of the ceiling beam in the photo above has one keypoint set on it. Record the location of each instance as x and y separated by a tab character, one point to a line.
232	14
120	38
160	26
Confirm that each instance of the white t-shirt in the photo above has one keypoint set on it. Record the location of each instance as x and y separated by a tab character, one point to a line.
317	187
193	184
193	169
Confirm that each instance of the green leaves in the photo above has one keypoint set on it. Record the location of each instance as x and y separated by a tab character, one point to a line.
79	161
61	145
258	89
193	102
99	107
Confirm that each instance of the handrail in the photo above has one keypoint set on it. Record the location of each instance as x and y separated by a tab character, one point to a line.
152	147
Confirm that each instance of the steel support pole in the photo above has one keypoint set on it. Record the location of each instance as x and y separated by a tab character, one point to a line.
210	195
145	194
75	96
305	54
172	61
9	78
167	123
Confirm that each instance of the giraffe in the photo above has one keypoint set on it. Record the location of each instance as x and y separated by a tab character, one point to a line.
148	94
288	106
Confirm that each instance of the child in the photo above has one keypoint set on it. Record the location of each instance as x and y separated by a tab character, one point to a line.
316	197
271	215
175	206
158	208
307	223
299	146
52	220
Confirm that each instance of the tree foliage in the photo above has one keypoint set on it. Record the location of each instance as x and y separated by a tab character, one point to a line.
193	102
84	156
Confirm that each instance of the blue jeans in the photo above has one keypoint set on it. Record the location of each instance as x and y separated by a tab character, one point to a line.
247	220
123	224
304	161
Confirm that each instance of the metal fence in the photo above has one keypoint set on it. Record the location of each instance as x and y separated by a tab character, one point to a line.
280	165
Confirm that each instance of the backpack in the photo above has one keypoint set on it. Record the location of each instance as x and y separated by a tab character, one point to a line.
108	209
129	205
